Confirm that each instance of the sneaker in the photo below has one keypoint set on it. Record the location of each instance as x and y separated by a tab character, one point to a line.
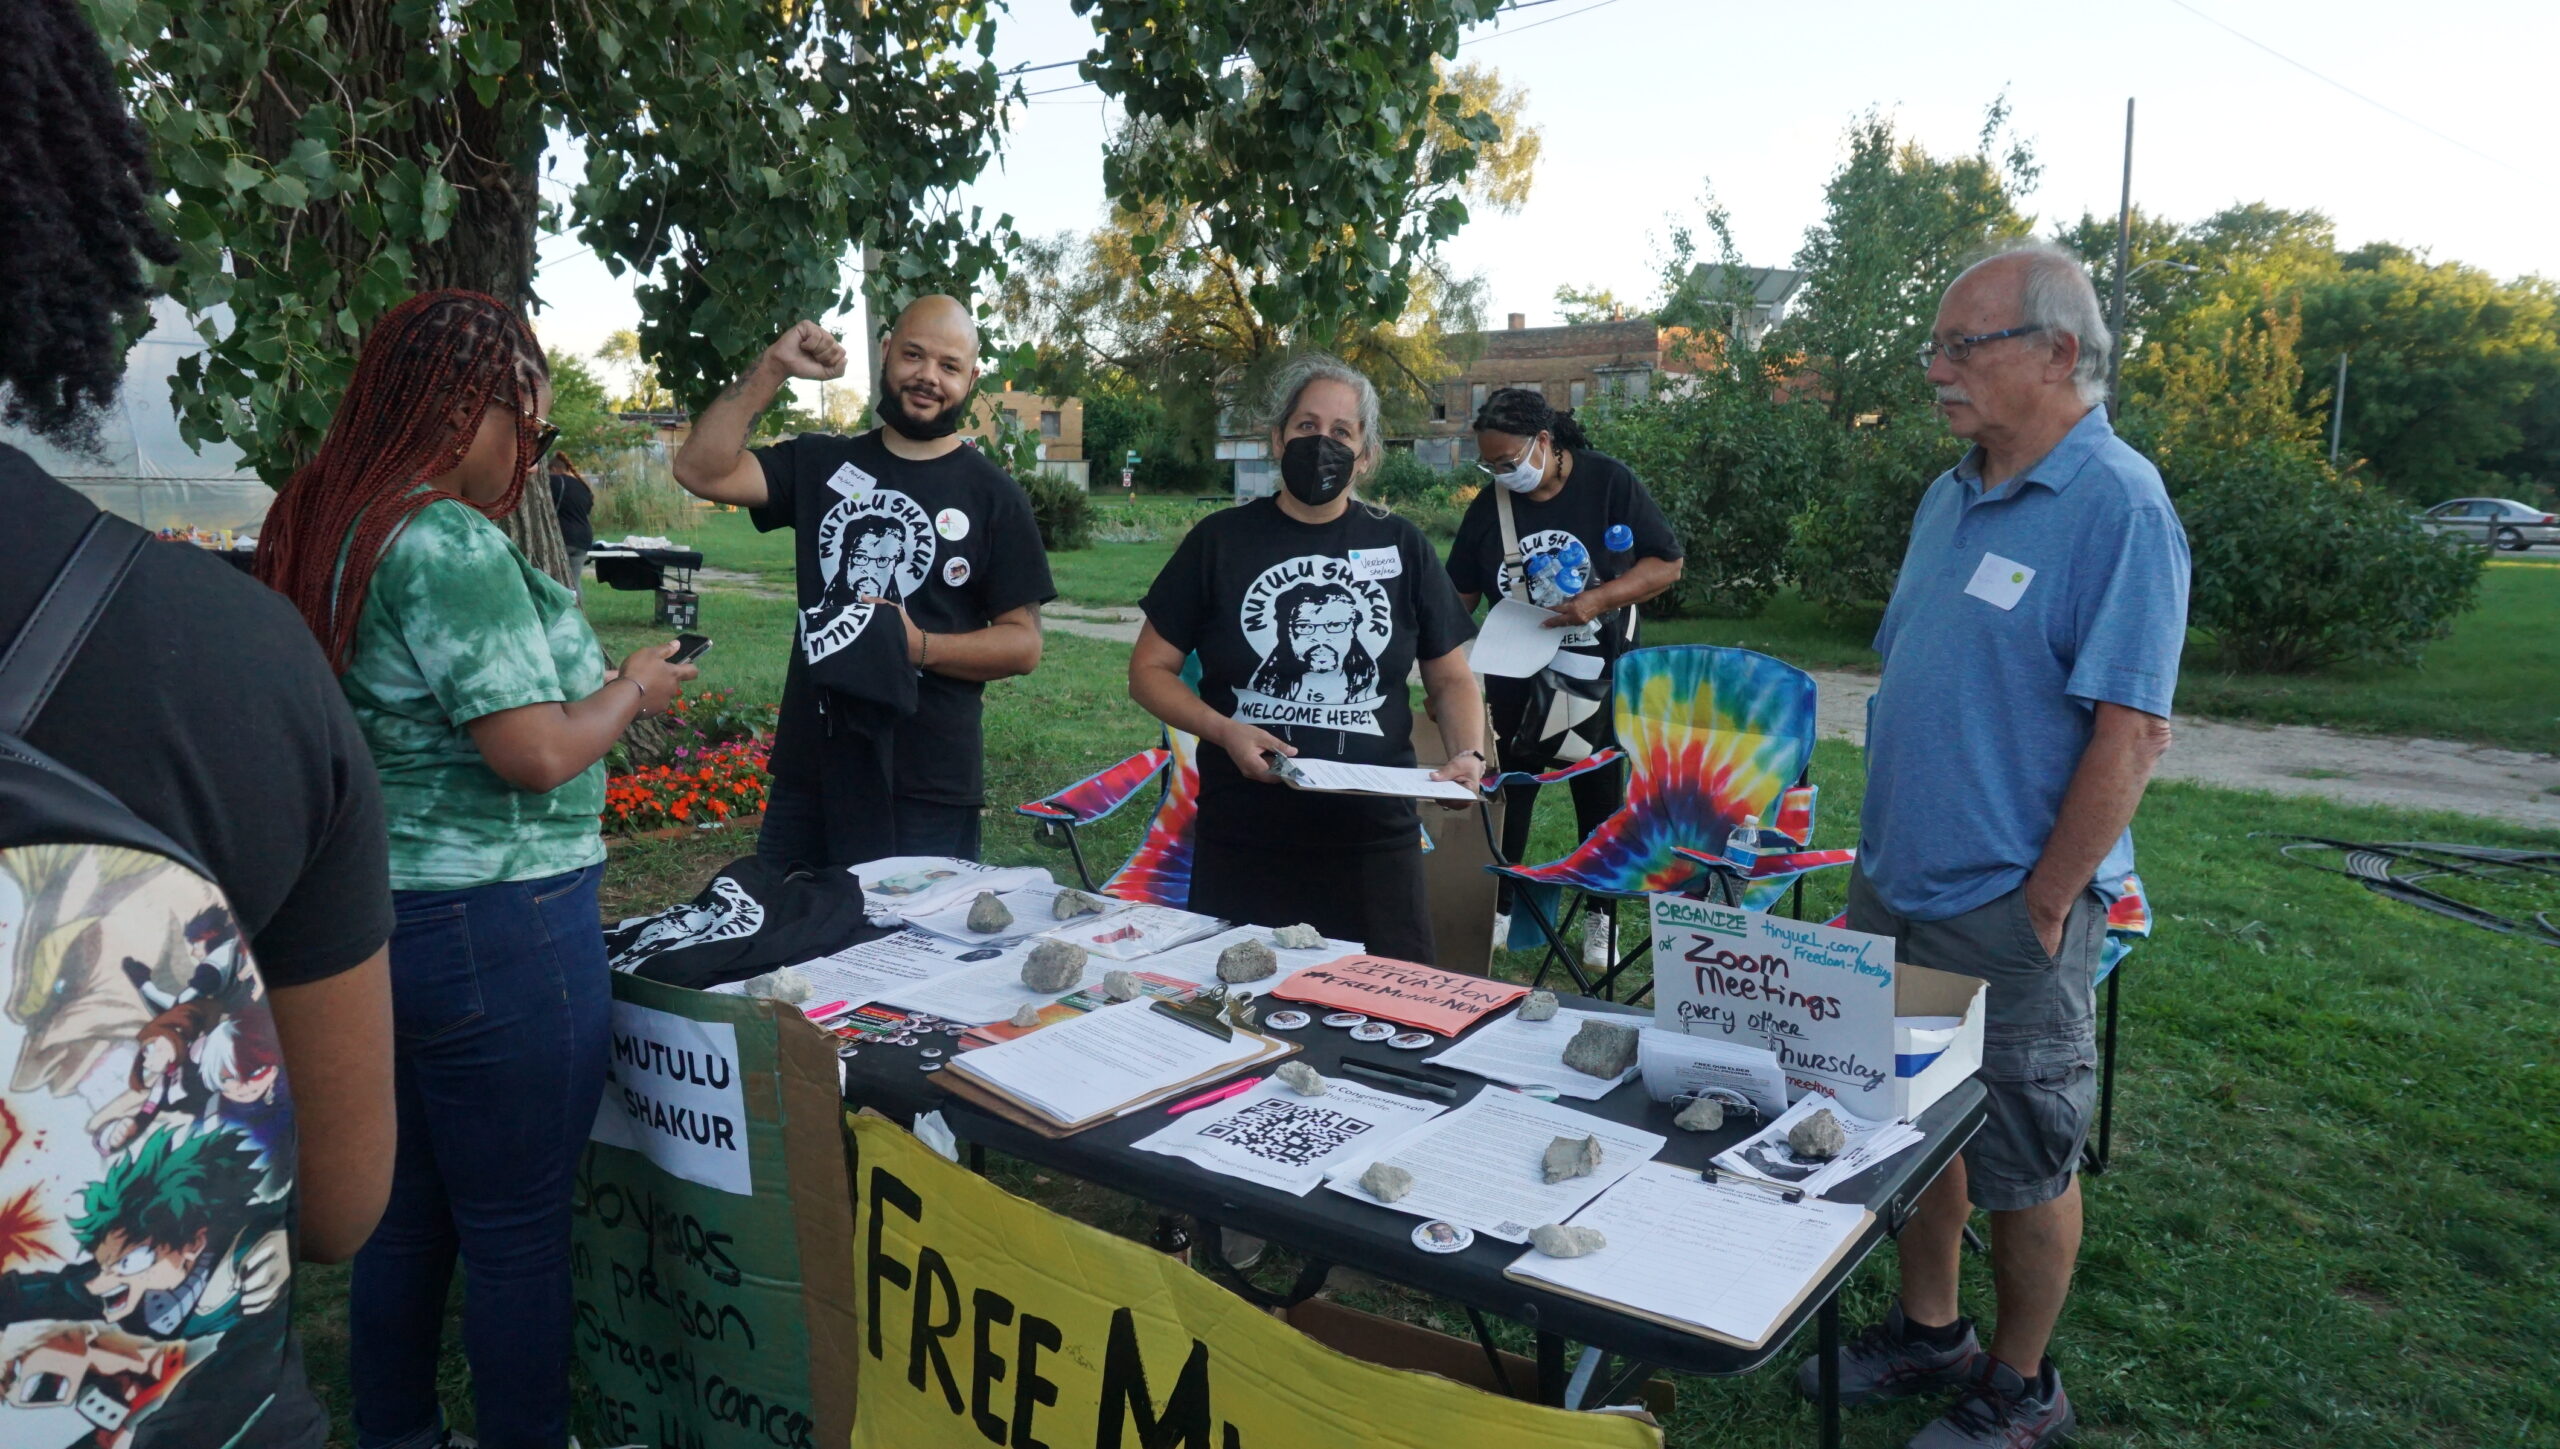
1502	930
2001	1410
1886	1361
1595	940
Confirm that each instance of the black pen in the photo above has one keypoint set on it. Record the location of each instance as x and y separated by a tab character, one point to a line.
1401	1082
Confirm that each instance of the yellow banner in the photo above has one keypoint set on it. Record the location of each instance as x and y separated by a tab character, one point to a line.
986	1319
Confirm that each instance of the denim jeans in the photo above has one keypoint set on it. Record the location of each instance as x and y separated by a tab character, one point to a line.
501	1004
795	829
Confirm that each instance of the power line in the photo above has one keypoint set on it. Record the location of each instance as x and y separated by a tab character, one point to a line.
1534	24
1505	10
2350	90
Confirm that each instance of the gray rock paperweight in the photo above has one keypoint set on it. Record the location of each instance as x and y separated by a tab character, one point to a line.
1026	1015
1300	1078
1300	937
1557	1240
1817	1138
1703	1115
1601	1049
1571	1157
1069	904
1538	1006
1247	961
1053	966
1119	985
987	915
1386	1183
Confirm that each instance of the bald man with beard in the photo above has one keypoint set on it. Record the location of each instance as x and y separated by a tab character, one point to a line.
921	578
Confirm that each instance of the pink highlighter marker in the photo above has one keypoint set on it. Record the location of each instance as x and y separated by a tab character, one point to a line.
1211	1099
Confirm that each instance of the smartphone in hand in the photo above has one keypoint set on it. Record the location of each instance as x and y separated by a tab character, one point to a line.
689	647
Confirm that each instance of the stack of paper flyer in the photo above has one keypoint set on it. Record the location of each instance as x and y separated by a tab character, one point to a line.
1082	1072
1765	1154
901	887
1271	1135
1531	1053
1033	908
1402	782
1479	1165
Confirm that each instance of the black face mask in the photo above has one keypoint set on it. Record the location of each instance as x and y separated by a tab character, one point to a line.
1316	469
893	411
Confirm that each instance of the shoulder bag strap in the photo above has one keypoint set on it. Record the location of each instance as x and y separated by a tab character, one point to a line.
1515	571
46	644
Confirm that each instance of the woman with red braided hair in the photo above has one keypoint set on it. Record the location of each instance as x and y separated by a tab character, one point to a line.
484	697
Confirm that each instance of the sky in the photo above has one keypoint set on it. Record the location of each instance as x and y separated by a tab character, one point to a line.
1645	103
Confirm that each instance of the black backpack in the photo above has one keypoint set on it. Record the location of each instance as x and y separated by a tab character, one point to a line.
147	1151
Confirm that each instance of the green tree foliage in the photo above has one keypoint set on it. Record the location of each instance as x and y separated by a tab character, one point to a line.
2295	567
1154	303
587	422
641	391
1326	165
1578	305
1897	226
1855	528
326	161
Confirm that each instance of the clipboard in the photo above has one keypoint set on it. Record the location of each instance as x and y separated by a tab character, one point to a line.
1826	1266
1003	1104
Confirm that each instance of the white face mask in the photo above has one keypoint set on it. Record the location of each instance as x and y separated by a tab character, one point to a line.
1525	476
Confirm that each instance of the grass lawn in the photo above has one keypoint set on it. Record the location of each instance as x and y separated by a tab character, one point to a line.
2334	1216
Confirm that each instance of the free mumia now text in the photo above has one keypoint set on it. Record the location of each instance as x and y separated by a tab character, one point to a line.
966	1346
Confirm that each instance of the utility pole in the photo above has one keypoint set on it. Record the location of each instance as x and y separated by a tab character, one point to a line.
2124	261
2338	410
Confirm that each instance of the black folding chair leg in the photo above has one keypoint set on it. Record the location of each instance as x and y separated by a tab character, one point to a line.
2093	1156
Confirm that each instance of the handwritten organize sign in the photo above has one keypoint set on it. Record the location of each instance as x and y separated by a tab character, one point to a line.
671	1094
1442	1001
1820	997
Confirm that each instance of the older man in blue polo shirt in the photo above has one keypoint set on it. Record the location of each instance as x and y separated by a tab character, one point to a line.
2030	654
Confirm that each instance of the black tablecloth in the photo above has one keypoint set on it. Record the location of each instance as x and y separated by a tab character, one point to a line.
1330	1226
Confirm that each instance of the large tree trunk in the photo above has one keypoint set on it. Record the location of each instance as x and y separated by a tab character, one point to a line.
491	153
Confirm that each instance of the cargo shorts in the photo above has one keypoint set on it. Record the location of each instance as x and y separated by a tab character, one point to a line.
2039	1040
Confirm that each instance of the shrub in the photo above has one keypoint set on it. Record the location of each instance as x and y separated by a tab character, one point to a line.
706	791
636	492
1856	524
1062	510
1730	469
2297	568
1145	520
692	725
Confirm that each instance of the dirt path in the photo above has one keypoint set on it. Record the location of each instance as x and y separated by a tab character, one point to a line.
2352	769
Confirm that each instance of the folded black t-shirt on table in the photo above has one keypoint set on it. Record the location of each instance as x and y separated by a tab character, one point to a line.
1309	631
953	538
1601	493
753	918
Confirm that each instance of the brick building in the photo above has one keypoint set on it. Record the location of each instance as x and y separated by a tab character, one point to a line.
1571	365
1058	420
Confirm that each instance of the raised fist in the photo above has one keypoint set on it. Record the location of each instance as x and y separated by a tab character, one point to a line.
807	351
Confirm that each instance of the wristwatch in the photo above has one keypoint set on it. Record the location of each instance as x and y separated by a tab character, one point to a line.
1481	758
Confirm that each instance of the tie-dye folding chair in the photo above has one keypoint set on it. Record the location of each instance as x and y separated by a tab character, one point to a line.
2128	922
1158	872
1711	735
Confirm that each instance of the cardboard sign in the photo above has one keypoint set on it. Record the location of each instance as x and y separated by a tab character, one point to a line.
1442	1001
671	1094
1820	997
704	1318
989	1320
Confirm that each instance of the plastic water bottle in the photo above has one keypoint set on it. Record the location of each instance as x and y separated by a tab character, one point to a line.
1619	538
1742	847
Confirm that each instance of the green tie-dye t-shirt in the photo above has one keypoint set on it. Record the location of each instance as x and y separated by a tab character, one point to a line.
458	624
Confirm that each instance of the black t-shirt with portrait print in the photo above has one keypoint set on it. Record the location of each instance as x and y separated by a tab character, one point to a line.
1600	494
951	537
1309	631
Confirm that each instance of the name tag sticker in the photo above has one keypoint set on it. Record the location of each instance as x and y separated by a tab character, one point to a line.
851	481
1374	564
2000	582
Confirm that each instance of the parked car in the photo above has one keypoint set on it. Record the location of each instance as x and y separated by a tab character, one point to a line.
2499	522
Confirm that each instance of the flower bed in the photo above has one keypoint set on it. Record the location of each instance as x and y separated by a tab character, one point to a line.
708	788
699	765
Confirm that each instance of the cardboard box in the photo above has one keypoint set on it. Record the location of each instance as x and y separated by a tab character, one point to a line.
1927	1065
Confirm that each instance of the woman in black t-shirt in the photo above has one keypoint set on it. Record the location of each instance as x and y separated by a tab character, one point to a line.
1309	610
1591	543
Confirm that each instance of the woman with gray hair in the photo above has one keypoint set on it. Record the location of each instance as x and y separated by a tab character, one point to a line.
1308	610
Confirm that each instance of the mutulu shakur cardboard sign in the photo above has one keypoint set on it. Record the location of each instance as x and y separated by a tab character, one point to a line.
989	1320
1821	998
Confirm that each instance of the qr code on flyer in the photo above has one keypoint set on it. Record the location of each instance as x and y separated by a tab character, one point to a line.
1286	1134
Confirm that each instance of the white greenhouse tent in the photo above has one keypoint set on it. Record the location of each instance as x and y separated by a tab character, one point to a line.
143	470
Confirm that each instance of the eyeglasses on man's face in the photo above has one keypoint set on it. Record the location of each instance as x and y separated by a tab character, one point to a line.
1959	349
